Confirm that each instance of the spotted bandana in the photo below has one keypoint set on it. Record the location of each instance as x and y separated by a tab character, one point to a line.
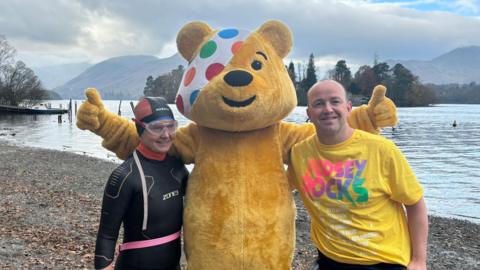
210	61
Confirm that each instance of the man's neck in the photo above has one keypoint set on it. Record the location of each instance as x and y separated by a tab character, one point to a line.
335	138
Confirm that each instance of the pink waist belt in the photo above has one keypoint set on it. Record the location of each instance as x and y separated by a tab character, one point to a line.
150	242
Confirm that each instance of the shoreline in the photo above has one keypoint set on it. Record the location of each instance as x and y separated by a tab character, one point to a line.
50	203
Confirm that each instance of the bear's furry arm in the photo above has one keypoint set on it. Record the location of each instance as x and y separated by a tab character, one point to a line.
184	145
291	134
119	135
380	112
359	119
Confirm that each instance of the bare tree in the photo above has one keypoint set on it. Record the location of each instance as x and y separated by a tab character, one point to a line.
20	84
7	53
365	80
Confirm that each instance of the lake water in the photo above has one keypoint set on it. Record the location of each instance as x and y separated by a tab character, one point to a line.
446	160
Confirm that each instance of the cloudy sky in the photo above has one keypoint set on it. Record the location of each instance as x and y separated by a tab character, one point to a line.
66	31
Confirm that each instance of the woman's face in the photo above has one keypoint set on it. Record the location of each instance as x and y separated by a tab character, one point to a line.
159	135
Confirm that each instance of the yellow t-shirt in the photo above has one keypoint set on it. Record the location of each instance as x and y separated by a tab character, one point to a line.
354	192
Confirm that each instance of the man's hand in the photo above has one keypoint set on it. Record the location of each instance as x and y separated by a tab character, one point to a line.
381	110
417	265
90	112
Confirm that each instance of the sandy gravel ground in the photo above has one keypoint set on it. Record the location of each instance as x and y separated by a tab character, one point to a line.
50	204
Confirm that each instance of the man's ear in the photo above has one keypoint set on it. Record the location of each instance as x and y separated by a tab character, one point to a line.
190	37
349	106
279	36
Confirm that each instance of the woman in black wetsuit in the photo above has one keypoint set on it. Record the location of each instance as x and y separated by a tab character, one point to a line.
145	193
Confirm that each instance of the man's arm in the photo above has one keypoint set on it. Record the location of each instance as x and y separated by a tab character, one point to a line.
418	228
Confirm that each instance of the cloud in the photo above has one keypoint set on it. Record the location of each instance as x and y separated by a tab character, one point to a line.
66	31
36	21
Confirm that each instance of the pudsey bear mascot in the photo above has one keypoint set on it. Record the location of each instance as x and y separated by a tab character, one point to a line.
239	211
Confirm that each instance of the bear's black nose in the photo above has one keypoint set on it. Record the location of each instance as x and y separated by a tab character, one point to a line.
237	78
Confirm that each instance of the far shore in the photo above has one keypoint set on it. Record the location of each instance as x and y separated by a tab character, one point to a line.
50	203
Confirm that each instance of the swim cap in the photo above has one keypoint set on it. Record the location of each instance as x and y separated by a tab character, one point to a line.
150	109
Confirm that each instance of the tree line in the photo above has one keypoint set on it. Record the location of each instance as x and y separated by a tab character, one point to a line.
165	85
404	88
457	93
18	83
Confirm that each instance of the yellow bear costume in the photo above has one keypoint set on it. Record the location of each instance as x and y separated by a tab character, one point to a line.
239	210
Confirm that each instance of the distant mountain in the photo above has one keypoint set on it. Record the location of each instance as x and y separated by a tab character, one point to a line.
53	76
119	77
53	95
461	65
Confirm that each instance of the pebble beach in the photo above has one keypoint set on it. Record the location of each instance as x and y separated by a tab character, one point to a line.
50	203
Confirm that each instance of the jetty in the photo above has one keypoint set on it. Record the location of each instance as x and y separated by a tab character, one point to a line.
42	109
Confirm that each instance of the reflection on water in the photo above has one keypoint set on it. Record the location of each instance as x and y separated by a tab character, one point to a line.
45	131
445	159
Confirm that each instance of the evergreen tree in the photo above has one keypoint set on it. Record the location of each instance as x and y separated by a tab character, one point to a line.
149	86
300	74
174	78
291	73
165	85
310	77
342	74
382	73
402	85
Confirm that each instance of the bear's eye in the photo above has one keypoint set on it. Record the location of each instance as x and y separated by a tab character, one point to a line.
257	65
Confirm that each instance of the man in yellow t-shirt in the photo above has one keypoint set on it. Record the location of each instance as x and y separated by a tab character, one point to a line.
365	203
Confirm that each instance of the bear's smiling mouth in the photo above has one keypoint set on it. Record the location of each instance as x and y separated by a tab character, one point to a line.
243	103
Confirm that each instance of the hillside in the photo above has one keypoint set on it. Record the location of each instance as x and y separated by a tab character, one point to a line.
54	76
461	65
119	77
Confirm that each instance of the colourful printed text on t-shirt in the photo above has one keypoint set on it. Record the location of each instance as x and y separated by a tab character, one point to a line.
339	181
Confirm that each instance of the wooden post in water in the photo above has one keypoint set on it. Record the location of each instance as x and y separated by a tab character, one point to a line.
70	111
59	118
120	108
133	107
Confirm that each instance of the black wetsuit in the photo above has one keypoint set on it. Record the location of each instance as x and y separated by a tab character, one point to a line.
123	202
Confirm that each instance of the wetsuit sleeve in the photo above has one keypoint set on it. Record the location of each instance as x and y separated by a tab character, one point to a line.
116	199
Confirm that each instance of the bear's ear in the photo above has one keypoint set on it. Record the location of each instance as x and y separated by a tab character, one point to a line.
191	37
278	34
